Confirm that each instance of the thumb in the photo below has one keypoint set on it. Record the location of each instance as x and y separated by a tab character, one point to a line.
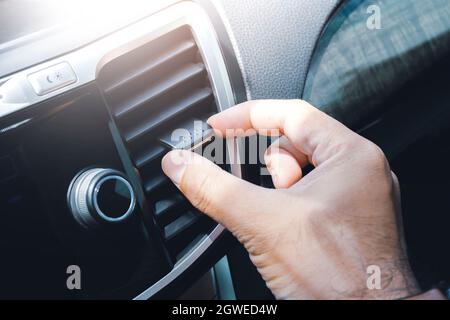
227	199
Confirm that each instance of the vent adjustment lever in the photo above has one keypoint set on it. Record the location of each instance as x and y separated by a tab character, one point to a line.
192	135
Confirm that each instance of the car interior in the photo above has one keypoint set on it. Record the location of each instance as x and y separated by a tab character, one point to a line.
92	91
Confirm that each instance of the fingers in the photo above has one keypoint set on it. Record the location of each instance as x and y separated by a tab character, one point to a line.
225	198
284	163
311	131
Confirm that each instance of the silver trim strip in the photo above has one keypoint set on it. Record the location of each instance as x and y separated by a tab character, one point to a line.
88	60
209	46
237	52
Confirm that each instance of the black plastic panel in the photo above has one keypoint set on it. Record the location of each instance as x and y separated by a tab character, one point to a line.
39	238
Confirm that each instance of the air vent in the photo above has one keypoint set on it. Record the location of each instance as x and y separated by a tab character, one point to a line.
151	91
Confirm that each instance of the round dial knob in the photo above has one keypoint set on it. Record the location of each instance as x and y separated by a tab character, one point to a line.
99	196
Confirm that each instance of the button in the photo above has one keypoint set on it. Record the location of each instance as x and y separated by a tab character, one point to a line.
113	198
100	196
52	78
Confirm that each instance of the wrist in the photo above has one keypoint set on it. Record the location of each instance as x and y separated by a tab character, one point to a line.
403	284
433	294
393	279
397	282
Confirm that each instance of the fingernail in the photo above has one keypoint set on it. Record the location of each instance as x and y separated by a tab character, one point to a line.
211	119
174	165
268	158
211	123
275	179
270	167
268	161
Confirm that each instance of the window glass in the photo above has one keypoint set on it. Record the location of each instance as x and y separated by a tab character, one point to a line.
370	49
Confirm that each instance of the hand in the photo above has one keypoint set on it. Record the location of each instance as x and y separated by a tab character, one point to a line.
314	236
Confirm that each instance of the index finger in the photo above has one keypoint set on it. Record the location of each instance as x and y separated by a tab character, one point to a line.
311	131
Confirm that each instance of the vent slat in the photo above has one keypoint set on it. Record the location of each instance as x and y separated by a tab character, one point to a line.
151	91
146	157
161	60
155	182
180	225
160	88
179	234
168	113
168	209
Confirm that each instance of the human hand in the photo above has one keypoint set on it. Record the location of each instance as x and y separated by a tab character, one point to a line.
314	236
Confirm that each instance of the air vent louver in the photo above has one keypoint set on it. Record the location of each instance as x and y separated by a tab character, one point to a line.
151	91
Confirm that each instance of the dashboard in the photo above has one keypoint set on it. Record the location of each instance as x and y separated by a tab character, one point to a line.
83	135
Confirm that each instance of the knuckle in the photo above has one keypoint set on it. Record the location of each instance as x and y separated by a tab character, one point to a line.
396	184
375	157
316	214
298	125
306	105
395	179
305	116
377	166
